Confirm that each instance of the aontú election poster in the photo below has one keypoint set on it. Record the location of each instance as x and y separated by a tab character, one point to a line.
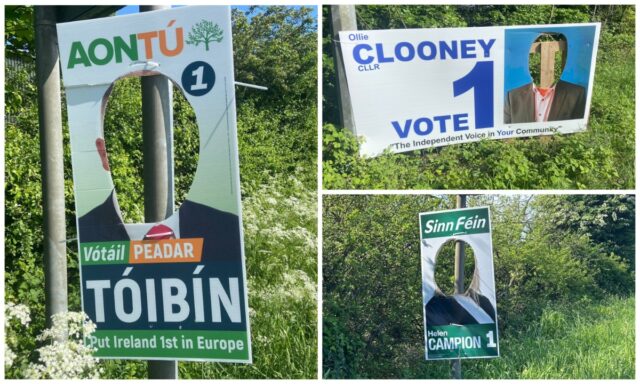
423	88
465	325
173	290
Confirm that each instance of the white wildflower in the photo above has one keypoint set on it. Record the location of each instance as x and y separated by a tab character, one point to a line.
16	311
9	356
13	311
281	232
271	200
68	324
66	357
296	286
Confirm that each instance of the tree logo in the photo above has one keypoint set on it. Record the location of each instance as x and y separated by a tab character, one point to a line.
204	32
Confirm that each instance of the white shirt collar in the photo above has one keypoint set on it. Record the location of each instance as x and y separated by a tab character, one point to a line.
138	231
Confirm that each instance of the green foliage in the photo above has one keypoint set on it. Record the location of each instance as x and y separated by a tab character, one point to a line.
276	47
123	139
273	46
23	216
280	233
445	271
19	35
606	219
534	59
395	17
600	158
553	162
343	168
546	277
372	311
586	340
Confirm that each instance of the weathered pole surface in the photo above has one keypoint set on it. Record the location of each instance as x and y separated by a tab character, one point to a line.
52	161
343	18
155	172
461	202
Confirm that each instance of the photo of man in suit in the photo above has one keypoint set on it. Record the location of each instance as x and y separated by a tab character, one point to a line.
220	230
546	98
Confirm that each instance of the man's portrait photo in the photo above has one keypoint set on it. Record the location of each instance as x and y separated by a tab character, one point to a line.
101	219
547	74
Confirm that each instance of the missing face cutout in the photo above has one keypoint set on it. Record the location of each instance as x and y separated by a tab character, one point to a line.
447	307
122	130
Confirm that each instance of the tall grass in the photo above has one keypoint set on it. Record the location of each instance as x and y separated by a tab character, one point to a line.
584	341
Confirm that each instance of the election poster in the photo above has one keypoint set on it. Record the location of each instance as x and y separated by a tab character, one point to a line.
424	88
176	289
459	326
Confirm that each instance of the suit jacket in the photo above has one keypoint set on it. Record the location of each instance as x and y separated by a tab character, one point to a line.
445	310
220	230
568	103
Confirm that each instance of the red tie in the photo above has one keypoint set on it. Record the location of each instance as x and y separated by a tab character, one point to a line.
159	232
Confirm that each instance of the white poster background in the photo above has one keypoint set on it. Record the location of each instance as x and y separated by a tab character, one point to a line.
482	246
403	90
216	182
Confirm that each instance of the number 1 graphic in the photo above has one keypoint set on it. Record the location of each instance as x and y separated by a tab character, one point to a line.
491	343
480	78
198	85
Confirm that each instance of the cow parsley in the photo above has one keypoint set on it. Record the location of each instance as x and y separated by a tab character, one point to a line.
18	312
64	355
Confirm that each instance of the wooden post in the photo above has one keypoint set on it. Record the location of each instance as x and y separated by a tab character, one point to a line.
343	18
461	202
547	50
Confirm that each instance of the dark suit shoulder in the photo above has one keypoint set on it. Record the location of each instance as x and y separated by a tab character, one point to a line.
519	105
569	87
486	305
445	310
102	223
193	209
522	89
219	229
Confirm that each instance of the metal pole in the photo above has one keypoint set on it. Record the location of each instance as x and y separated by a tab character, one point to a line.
156	171
166	95
343	18
154	148
52	161
461	202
